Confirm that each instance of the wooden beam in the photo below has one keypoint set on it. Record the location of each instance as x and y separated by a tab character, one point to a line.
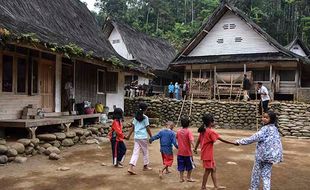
58	72
271	82
244	68
1	70
214	83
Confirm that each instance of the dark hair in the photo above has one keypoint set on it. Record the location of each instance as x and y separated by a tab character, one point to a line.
118	114
139	114
273	117
185	121
245	75
260	83
206	120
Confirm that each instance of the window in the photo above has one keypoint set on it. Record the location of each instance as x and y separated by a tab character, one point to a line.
112	82
295	47
238	39
225	26
101	87
7	79
107	82
232	26
48	56
220	41
116	41
261	75
33	77
21	75
287	75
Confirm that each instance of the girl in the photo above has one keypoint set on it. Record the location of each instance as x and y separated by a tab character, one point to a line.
140	127
117	138
268	150
207	138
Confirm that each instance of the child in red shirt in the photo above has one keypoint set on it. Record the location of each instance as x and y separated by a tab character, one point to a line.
117	137
185	140
207	138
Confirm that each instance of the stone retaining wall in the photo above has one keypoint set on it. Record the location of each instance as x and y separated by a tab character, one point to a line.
294	119
51	144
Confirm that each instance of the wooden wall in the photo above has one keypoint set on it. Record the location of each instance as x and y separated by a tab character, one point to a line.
86	83
11	106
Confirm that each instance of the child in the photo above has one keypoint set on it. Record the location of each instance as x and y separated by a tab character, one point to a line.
117	139
167	139
207	138
268	150
185	140
140	127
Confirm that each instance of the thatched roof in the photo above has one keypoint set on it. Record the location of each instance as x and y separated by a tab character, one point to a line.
58	22
182	58
301	44
150	52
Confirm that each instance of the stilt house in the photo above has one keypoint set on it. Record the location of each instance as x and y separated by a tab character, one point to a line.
153	54
43	45
230	44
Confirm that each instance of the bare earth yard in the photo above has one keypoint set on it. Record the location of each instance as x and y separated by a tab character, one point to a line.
86	172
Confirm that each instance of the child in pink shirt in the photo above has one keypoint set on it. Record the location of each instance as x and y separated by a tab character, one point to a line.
185	140
207	138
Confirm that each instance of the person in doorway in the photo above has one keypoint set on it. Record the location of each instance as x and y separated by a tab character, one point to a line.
140	127
263	91
269	151
246	86
171	90
69	96
177	90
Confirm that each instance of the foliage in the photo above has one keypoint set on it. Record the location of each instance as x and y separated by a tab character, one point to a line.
178	20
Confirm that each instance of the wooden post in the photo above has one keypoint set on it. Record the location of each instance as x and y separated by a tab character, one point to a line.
199	81
210	83
231	87
191	83
244	68
181	111
58	73
271	85
214	83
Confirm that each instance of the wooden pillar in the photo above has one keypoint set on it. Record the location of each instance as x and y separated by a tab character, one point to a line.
244	68
199	80
271	83
210	83
191	83
58	70
214	83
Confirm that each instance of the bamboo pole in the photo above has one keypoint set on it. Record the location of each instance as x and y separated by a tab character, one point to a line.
231	81
256	108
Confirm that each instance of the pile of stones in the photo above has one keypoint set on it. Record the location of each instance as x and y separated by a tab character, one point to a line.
51	144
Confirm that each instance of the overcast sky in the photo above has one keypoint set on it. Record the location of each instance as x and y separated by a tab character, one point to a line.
90	4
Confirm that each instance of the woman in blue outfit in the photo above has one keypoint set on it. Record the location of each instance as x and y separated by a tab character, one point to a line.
268	150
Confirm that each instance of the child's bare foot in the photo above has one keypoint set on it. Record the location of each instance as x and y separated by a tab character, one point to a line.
118	166
203	188
131	172
168	172
191	180
182	180
146	168
160	174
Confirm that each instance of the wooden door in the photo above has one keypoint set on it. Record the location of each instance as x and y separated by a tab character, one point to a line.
47	85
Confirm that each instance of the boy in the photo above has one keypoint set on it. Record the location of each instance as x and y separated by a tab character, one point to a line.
167	139
185	140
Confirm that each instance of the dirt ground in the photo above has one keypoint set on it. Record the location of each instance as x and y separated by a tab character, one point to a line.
86	172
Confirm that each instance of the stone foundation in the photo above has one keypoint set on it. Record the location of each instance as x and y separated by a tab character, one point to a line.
51	144
294	119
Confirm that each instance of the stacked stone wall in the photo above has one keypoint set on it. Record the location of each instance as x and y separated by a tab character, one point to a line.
294	119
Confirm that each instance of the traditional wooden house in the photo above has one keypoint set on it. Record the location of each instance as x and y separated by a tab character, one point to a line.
45	44
230	44
299	47
153	54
